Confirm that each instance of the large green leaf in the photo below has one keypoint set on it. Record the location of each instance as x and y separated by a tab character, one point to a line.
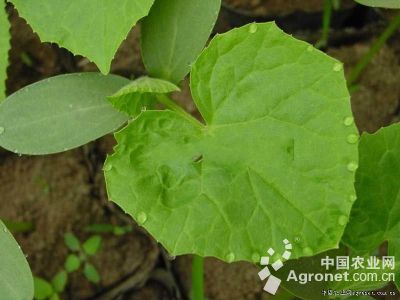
380	3
140	94
275	160
94	29
174	33
16	281
375	217
4	47
60	113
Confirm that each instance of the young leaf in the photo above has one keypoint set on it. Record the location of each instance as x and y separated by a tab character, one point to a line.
91	273
72	263
16	280
4	48
54	297
94	29
60	113
140	93
43	289
92	245
71	241
375	217
174	33
275	160
60	281
380	3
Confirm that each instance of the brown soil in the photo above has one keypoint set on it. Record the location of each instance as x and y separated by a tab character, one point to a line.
277	7
376	101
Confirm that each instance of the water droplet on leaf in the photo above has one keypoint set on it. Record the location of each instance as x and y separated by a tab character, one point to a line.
348	121
352	198
307	251
310	48
342	220
230	257
142	218
108	167
337	67
352	138
255	257
253	28
352	166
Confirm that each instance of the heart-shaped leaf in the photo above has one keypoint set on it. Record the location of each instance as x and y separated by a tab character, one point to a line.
94	29
60	113
375	217
275	159
4	47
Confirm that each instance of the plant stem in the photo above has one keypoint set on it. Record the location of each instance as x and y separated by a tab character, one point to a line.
198	278
170	104
326	24
365	60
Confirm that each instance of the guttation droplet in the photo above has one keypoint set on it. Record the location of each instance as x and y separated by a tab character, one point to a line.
337	67
352	138
348	121
307	251
352	198
352	166
310	48
253	28
255	257
230	257
141	218
2	130
342	220
108	167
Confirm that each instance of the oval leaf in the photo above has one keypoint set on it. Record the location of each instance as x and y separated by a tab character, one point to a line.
94	29
43	288
60	113
380	3
91	273
174	33
16	280
92	245
275	160
72	263
4	48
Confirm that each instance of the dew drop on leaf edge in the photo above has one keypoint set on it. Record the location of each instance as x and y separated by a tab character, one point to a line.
337	67
230	257
352	138
141	218
352	166
253	28
108	167
255	257
348	121
307	251
352	198
342	220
